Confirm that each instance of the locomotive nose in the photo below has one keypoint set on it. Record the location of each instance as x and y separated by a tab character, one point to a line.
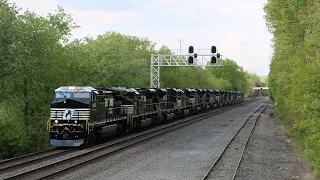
65	136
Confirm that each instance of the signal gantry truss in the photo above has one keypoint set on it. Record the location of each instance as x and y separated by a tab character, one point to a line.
160	60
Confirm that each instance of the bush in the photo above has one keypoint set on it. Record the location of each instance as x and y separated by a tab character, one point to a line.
13	141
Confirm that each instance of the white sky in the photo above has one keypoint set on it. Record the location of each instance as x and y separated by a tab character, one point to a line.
237	29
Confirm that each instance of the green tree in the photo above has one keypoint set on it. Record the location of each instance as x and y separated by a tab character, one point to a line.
37	56
233	73
32	56
294	71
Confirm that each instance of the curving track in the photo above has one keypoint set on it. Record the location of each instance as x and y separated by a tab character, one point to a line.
227	164
58	162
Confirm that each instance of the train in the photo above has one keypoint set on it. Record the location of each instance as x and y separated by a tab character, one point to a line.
82	114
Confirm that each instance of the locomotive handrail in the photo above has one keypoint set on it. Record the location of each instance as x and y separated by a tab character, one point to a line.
88	126
49	123
87	123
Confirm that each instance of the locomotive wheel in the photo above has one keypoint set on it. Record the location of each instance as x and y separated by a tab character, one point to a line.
129	126
164	117
98	136
120	130
92	137
181	114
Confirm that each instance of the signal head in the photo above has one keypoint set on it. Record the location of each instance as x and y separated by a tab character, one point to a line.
191	49
213	49
213	59
190	60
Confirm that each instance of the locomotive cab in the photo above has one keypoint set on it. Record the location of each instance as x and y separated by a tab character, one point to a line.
70	113
162	97
129	101
148	99
177	97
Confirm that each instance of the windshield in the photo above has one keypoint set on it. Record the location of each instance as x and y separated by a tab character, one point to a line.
81	95
69	95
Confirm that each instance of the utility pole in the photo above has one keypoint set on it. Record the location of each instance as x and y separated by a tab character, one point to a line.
180	42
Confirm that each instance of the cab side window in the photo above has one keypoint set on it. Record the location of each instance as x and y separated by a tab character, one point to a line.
94	97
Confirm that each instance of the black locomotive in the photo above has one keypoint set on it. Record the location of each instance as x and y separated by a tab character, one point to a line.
81	114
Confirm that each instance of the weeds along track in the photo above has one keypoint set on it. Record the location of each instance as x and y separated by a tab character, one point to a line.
76	160
225	167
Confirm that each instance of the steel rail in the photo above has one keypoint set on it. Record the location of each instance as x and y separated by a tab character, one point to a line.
245	146
263	107
62	166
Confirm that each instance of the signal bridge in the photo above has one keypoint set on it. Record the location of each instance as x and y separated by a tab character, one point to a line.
260	88
191	59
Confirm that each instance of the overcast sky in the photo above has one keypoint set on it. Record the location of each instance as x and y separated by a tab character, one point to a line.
237	29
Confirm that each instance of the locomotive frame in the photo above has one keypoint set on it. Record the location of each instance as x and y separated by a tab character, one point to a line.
81	114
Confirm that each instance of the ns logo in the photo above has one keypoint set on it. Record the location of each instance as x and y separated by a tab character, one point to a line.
68	114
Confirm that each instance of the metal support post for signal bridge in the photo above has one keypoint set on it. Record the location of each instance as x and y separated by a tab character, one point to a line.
172	60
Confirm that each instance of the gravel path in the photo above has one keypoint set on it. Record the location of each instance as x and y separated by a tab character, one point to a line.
269	154
186	153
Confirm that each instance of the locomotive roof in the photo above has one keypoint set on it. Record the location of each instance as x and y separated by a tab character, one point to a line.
146	89
135	90
121	89
189	90
164	90
75	88
200	90
177	90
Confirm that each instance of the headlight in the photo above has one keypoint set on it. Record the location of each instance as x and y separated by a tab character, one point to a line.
56	121
75	122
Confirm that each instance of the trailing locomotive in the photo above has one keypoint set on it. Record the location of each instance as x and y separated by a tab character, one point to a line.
81	114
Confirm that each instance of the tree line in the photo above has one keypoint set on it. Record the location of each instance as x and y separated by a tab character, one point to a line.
294	71
37	56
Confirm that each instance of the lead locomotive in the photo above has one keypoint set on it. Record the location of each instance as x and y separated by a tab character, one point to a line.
81	114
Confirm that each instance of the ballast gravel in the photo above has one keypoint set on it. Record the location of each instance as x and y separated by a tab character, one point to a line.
186	153
269	155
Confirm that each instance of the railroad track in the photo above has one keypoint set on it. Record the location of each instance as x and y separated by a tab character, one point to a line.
83	158
21	161
225	167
